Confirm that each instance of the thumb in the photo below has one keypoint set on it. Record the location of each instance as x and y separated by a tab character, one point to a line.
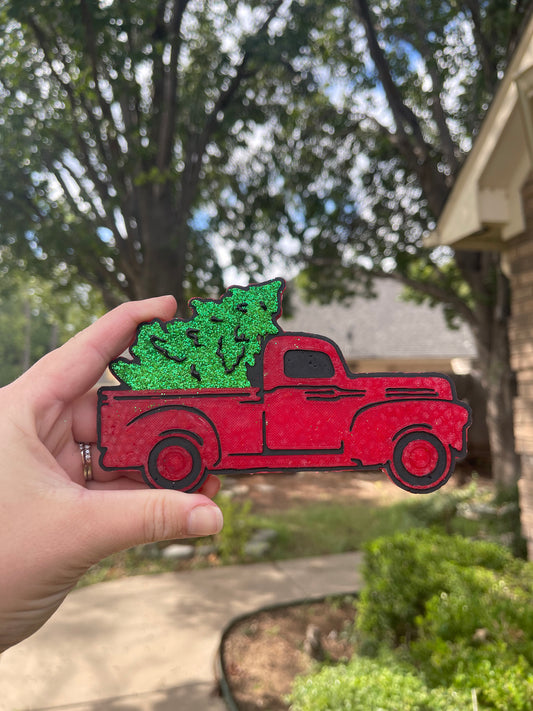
115	520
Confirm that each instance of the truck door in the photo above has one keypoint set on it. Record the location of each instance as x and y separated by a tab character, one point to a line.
304	412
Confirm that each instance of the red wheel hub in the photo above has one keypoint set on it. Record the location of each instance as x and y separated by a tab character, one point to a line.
174	463
420	458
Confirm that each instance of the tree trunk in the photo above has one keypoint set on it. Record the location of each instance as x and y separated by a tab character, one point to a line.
498	381
165	237
492	310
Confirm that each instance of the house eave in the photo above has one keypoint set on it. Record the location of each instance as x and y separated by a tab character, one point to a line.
484	209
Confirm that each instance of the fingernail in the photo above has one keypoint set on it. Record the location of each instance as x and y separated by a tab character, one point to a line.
204	521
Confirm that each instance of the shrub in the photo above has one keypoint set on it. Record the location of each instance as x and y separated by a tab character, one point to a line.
480	635
237	528
447	614
404	571
370	684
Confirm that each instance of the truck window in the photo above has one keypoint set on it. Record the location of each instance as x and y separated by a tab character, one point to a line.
307	364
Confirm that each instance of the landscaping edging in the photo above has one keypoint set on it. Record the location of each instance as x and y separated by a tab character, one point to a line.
221	674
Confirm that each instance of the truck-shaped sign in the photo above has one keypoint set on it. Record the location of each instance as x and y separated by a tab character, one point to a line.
304	409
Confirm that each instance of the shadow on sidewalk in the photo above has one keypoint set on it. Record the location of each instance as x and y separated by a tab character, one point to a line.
189	697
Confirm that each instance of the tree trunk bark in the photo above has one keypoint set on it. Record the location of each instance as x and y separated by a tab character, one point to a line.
165	238
492	310
498	381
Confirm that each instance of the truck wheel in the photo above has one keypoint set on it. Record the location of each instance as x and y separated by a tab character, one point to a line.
420	462
176	463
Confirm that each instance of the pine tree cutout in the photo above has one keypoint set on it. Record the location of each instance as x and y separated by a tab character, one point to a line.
210	350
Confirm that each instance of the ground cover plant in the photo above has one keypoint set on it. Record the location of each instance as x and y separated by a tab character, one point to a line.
332	520
444	621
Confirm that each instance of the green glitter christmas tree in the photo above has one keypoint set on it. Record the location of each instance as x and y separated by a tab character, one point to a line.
210	350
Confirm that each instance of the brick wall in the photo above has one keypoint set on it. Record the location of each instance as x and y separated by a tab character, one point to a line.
519	257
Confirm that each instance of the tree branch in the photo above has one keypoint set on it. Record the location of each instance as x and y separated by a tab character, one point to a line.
199	145
434	291
411	142
75	102
90	49
169	90
483	46
447	146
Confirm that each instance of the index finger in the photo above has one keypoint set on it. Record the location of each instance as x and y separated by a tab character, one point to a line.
70	370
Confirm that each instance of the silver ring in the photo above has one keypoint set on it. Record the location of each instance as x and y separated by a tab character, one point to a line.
86	459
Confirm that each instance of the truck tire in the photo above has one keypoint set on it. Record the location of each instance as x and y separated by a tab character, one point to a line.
176	463
421	463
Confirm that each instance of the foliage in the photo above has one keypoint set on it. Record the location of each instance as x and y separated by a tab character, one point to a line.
133	133
37	315
441	617
408	85
458	610
369	684
210	350
125	127
25	334
393	598
237	529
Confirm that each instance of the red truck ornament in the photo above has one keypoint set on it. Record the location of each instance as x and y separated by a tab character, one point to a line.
302	409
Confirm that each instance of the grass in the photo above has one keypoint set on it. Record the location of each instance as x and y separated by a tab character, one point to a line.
323	528
336	527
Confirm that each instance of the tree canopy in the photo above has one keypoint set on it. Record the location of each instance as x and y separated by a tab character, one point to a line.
123	126
140	141
38	314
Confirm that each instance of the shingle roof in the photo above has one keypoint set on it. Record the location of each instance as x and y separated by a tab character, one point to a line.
381	327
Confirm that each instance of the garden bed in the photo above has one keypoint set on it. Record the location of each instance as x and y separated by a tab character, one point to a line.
263	653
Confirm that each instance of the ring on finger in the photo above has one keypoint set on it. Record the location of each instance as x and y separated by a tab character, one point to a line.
85	449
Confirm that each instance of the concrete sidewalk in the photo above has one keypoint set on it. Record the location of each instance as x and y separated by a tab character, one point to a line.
149	643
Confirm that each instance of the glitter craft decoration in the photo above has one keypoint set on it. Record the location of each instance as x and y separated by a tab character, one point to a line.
213	349
229	391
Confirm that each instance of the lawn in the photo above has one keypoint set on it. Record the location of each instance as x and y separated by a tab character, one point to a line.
315	527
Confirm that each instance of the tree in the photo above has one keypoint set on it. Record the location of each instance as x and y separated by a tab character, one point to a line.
212	349
121	121
37	315
369	161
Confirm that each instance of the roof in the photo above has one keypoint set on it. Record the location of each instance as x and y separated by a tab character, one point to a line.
381	327
484	206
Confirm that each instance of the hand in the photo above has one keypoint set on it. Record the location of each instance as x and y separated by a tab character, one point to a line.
54	525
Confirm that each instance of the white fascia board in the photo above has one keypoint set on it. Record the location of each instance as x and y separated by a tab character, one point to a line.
468	210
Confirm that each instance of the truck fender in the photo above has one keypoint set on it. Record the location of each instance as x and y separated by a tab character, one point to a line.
181	427
377	428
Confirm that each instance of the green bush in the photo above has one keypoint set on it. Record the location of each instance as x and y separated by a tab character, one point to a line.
370	685
404	571
480	635
447	614
236	531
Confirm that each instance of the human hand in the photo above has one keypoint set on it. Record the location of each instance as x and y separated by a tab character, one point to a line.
55	525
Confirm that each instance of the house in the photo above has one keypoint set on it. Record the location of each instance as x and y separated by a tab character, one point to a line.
386	333
491	207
